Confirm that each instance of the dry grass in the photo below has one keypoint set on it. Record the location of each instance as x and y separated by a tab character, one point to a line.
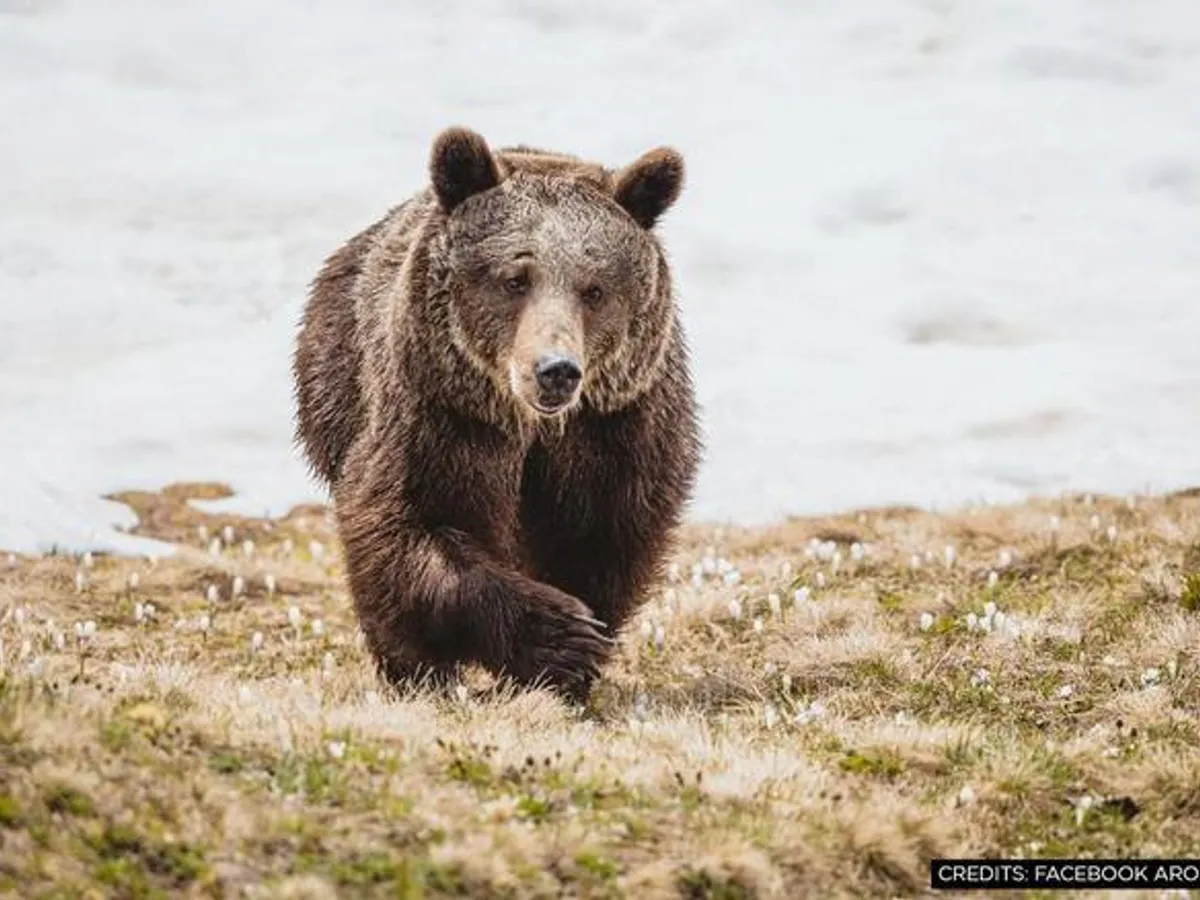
740	746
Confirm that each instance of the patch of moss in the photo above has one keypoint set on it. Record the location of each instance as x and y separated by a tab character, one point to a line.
226	762
127	879
1190	598
534	808
68	801
10	811
470	769
878	763
130	851
889	602
700	884
875	672
597	866
368	869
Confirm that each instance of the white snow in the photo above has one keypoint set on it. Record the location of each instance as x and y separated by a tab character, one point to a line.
931	251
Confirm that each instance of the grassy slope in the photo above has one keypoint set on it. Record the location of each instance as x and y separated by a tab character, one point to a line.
829	749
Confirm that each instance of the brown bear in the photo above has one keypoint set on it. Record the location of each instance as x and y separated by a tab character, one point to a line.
494	383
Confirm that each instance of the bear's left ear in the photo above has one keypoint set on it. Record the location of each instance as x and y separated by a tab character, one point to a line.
648	186
460	166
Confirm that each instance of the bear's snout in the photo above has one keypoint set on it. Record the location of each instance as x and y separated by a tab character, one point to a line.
557	378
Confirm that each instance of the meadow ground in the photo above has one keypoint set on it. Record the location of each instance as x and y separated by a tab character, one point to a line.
811	709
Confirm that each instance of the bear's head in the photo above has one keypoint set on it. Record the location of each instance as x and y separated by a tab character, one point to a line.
557	287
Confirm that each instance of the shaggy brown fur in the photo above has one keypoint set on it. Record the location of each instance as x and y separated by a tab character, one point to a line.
483	522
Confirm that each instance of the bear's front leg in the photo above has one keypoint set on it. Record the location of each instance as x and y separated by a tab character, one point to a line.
430	600
430	570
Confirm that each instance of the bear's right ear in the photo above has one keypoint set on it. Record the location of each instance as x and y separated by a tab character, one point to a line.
460	166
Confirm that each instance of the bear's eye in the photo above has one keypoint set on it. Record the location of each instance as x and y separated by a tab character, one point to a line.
592	295
517	284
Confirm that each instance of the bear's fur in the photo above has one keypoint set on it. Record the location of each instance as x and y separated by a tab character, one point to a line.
493	381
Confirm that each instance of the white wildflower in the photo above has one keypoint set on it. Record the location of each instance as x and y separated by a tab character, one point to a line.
269	582
773	604
993	579
989	609
857	551
810	713
247	548
966	796
139	612
134	581
820	579
1151	677
926	621
204	623
288	546
785	570
256	641
641	707
950	554
337	749
1082	805
735	608
80	581
980	678
1066	691
211	594
318	628
972	621
770	716
801	595
660	637
316	550
914	561
239	586
227	534
1005	559
1111	533
88	560
1095	522
293	617
214	547
758	624
202	533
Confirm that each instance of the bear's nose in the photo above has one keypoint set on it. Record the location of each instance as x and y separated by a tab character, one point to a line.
558	376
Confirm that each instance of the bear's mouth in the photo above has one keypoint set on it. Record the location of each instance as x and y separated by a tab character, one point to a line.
552	409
